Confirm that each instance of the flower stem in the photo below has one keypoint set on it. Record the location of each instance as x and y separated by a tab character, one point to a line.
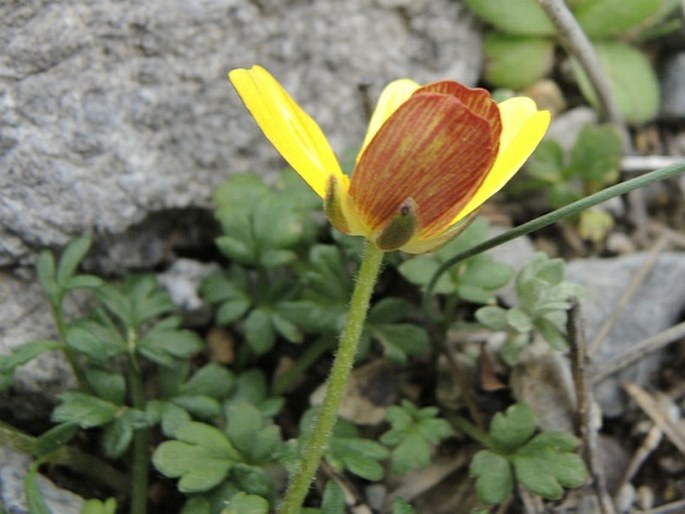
552	217
342	366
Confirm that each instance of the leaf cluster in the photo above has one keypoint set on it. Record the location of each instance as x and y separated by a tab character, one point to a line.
543	297
544	463
413	431
593	163
521	49
283	284
474	280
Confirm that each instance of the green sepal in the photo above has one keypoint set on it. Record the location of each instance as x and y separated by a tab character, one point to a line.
400	229
332	206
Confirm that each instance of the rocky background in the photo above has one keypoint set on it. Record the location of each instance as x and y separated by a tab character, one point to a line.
117	120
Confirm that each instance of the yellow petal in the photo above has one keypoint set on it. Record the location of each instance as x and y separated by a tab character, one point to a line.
523	127
394	95
292	131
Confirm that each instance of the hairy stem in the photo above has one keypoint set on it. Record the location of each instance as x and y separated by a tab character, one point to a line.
342	366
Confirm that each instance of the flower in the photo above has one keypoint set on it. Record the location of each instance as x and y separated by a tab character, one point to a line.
432	155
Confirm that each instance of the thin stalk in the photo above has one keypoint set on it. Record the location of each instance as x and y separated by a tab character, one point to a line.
342	366
79	461
576	42
283	383
552	217
141	457
68	353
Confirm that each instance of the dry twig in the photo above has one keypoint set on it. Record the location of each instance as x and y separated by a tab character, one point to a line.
639	351
651	407
588	433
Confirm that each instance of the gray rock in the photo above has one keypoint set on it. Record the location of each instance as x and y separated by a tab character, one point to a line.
112	110
25	316
657	305
117	119
673	87
13	467
182	281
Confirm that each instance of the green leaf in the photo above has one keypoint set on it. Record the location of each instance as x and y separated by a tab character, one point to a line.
493	317
197	505
547	162
285	328
173	418
83	282
119	433
72	256
255	437
494	480
551	334
400	340
211	380
262	226
412	453
412	433
201	457
420	269
550	271
147	297
347	450
274	258
329	275
513	428
45	269
484	272
34	499
631	77
596	155
400	506
86	410
236	249
605	18
204	407
98	342
389	310
26	353
165	346
243	503
519	320
108	385
522	17
516	62
94	506
232	310
333	501
259	332
220	287
512	347
252	480
54	439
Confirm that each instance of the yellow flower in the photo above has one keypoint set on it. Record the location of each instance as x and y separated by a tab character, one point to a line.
432	155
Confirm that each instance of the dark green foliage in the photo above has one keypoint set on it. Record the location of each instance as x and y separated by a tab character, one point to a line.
544	464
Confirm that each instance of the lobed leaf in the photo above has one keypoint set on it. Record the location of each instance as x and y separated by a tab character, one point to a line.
513	428
494	478
85	410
